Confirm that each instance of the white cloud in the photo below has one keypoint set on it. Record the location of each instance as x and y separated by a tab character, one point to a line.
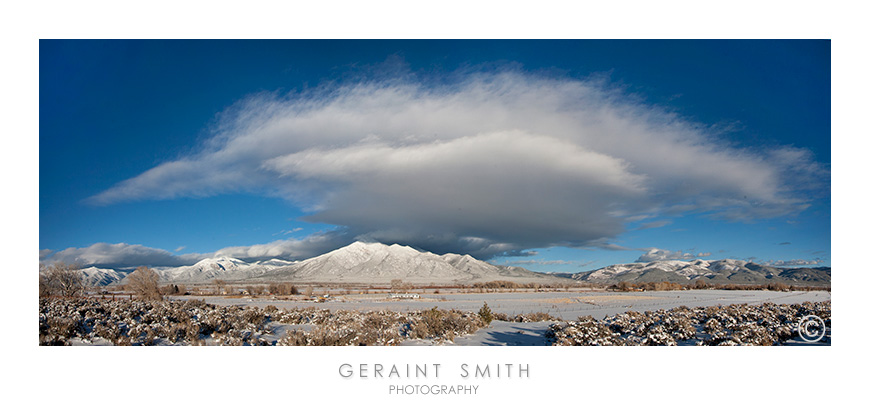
656	255
793	262
492	164
312	245
119	255
122	255
655	224
533	262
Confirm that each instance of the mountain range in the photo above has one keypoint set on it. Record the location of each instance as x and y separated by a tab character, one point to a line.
206	270
362	262
376	263
724	271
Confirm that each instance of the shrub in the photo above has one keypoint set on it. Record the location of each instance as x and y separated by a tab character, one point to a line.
254	290
486	315
535	317
60	279
144	283
283	289
220	286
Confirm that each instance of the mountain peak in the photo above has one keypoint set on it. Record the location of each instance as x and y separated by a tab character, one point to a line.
373	262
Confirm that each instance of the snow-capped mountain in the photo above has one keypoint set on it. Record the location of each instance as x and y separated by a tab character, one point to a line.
207	269
376	263
712	271
362	262
225	268
93	276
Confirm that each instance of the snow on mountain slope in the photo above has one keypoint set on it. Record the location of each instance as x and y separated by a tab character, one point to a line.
93	276
718	271
362	262
225	268
376	263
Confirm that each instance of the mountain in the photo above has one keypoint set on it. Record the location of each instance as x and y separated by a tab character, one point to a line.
93	276
362	262
726	271
376	263
224	268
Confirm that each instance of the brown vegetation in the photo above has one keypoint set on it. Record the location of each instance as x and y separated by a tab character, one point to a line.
132	322
144	283
700	283
60	279
283	289
759	325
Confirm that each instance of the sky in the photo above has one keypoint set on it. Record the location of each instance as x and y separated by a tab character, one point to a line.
557	156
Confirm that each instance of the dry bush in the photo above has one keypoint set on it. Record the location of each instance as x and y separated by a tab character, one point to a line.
173	289
134	322
283	289
584	332
485	314
759	325
440	324
497	284
503	317
622	286
535	317
44	283
254	290
220	286
397	285
144	283
60	279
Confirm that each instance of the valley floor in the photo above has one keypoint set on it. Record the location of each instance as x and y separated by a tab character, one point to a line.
565	305
695	317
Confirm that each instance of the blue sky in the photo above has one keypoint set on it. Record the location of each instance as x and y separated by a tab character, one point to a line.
553	155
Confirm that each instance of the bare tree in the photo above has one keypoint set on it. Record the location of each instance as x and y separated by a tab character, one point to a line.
254	290
283	289
396	285
144	282
220	285
44	282
60	279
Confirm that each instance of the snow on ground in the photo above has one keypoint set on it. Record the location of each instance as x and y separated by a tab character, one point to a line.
566	305
499	333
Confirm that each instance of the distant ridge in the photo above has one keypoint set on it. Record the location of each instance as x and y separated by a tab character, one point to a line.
206	270
377	263
725	271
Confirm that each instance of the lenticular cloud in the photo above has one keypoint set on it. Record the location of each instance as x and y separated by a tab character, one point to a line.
497	162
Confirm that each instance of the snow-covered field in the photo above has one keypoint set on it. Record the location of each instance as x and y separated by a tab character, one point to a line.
565	305
699	317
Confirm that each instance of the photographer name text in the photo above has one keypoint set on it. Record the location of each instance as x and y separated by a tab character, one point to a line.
434	371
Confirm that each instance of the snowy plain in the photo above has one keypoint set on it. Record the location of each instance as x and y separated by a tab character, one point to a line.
566	305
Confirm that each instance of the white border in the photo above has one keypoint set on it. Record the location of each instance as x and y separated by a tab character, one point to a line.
294	378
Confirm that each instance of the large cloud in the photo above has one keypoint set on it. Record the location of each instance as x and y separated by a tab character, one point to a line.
656	255
122	255
118	255
313	245
792	262
490	165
